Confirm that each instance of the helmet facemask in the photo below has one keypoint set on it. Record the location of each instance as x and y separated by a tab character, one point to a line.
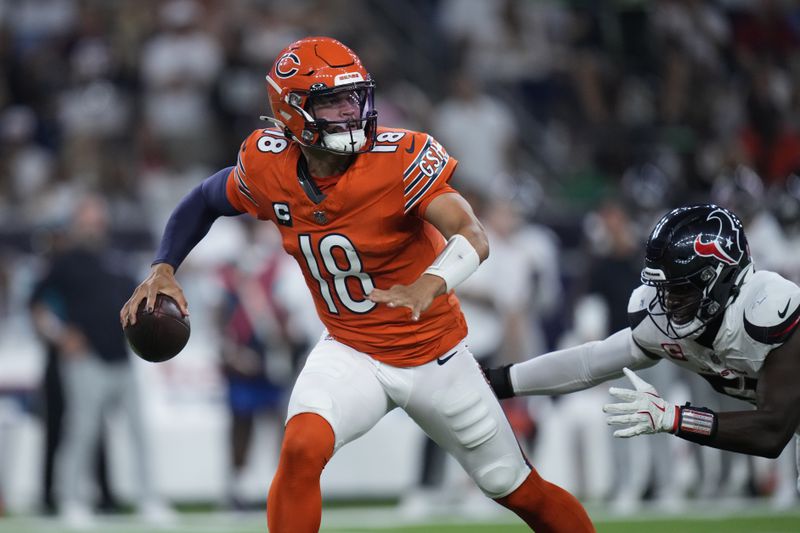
355	134
688	303
347	136
696	259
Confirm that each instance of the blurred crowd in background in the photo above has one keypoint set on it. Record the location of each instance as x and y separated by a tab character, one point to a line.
576	124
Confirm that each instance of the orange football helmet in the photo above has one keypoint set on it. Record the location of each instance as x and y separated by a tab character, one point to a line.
310	72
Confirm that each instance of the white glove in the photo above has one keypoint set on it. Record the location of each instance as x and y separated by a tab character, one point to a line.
645	413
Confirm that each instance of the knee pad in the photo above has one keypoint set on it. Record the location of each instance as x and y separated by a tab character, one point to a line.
500	478
308	440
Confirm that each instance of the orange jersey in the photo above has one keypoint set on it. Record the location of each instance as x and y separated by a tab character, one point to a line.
367	232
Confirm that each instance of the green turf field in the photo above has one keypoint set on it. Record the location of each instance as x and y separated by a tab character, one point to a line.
730	519
780	524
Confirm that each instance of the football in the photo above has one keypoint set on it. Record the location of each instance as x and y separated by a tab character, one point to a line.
160	335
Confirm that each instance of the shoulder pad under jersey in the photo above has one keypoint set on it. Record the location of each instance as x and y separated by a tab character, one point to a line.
425	161
771	308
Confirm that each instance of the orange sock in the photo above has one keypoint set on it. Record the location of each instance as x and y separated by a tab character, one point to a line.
547	508
294	504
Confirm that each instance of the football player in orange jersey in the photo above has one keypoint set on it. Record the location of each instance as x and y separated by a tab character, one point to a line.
382	240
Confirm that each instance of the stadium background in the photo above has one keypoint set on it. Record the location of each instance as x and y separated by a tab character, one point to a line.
587	119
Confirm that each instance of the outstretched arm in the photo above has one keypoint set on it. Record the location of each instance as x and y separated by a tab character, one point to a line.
571	369
187	225
764	431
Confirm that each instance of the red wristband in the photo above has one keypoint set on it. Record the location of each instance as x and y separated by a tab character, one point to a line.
676	423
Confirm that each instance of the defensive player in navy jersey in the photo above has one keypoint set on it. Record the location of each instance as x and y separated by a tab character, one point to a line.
703	306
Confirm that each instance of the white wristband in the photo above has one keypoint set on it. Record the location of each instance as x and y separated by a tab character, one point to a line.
456	263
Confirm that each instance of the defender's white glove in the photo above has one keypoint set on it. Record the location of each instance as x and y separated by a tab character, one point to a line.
645	411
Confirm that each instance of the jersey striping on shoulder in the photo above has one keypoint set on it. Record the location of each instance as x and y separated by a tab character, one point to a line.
424	170
240	175
773	313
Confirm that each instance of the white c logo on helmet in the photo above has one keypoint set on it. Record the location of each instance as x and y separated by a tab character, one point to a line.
285	61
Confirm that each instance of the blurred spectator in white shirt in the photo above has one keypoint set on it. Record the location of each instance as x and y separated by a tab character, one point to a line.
179	66
479	131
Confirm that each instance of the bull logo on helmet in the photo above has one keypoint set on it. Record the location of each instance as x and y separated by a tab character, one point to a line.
718	245
286	65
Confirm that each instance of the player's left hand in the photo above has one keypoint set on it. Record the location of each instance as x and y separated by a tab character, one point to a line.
418	296
644	411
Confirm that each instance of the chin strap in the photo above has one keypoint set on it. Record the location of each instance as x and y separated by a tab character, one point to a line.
280	125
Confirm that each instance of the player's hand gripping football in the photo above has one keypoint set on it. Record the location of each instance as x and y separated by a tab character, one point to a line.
161	280
643	412
417	296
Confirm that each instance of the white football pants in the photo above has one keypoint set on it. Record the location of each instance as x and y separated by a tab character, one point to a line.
448	398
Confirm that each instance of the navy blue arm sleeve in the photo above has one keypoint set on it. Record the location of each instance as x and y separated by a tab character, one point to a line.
193	217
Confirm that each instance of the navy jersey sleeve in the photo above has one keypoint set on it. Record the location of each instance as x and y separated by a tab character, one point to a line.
193	217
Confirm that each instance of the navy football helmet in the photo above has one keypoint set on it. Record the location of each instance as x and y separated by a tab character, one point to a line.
694	258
